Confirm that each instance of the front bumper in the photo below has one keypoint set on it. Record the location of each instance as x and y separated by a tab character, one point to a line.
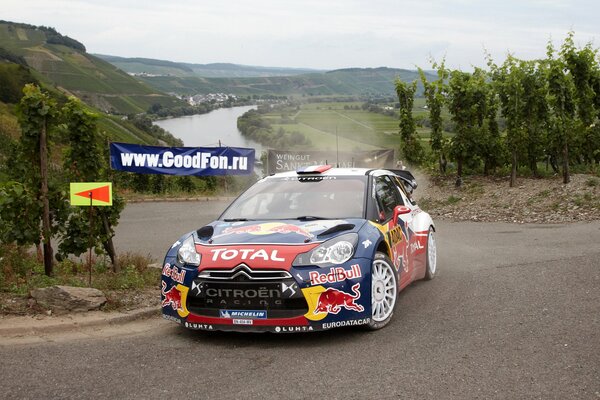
303	299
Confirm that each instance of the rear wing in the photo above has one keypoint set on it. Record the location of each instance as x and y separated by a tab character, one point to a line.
407	177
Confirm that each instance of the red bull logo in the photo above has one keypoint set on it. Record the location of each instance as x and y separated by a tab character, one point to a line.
242	229
288	228
174	273
266	229
332	300
172	297
335	275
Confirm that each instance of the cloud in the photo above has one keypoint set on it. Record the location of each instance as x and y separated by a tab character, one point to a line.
311	33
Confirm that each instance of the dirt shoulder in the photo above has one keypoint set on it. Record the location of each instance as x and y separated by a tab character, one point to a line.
482	199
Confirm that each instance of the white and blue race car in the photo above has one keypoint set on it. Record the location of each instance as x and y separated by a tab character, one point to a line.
302	251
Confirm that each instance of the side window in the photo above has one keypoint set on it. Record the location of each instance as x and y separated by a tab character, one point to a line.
405	192
387	197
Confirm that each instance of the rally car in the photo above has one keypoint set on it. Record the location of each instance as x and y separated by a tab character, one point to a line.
302	251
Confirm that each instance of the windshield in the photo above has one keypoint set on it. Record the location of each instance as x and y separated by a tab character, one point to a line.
301	197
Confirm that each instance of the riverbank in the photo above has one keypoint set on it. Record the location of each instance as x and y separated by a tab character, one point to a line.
218	127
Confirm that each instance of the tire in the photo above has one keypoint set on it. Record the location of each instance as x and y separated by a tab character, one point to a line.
431	256
384	291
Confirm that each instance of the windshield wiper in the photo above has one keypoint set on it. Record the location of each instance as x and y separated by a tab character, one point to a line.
237	219
310	218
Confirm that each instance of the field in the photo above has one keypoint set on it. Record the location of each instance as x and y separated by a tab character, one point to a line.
356	129
356	82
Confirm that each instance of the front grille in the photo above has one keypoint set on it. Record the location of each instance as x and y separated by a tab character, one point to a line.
243	273
242	288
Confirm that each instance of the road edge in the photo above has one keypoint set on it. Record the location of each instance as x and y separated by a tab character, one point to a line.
30	326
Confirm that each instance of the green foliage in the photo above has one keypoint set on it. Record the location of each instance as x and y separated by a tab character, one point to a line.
20	272
37	113
144	123
434	97
411	148
64	63
10	57
85	161
83	158
254	126
20	213
363	82
561	99
467	102
583	67
12	79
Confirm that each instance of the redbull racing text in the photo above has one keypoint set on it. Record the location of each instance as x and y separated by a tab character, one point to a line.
336	275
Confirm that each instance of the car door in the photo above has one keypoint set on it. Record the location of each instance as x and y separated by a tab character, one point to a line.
388	197
407	222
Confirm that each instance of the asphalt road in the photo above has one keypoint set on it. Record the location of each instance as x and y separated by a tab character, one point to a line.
151	228
514	313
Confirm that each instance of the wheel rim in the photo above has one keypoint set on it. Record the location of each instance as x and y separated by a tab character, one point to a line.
383	290
431	253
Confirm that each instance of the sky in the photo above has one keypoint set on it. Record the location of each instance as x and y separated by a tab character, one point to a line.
319	34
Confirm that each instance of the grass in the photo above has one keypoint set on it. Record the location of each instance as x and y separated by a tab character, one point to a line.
355	128
544	193
20	272
592	182
453	200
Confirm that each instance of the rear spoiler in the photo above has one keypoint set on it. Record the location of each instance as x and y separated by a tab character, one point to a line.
406	176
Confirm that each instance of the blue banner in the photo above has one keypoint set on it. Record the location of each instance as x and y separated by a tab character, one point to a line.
199	161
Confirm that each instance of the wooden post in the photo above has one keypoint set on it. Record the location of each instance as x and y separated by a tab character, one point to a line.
513	171
109	245
46	234
566	176
91	241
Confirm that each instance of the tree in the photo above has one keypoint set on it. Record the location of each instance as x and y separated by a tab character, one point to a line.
492	146
411	148
434	98
561	97
534	111
36	112
583	67
467	104
508	82
85	161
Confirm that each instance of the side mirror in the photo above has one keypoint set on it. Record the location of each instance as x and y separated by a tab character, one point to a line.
400	210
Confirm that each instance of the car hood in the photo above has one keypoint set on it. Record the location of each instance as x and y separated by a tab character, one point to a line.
276	232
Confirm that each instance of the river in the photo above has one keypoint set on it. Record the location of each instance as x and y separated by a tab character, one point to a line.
206	130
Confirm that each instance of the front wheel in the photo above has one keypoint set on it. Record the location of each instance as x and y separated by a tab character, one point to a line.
431	262
384	291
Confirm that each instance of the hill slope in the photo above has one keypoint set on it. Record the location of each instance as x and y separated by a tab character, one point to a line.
62	62
344	82
215	70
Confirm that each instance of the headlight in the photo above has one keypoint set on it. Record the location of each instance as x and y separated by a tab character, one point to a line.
187	253
332	252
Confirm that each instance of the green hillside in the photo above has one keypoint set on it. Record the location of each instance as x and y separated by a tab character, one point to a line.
18	67
344	82
215	70
62	62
